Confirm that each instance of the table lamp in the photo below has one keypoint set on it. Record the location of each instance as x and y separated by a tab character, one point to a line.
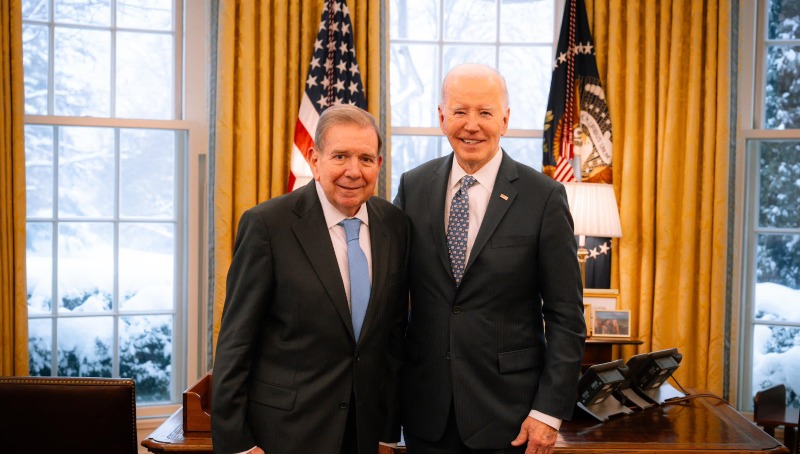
595	213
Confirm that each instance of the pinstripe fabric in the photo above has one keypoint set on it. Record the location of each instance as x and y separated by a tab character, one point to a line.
483	345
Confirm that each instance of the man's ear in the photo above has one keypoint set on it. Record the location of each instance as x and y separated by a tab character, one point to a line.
312	158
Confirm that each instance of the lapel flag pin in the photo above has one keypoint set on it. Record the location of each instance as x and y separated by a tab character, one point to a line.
503	196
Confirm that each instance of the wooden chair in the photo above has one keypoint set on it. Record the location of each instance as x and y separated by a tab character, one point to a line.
770	412
68	414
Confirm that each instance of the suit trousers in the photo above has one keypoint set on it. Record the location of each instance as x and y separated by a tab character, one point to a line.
451	443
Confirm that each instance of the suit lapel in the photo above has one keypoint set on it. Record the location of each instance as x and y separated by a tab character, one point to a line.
498	206
312	234
438	187
380	242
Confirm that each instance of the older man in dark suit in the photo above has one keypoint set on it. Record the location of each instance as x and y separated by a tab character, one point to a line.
496	333
310	345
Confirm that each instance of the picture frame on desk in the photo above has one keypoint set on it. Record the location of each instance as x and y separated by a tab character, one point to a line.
598	299
611	323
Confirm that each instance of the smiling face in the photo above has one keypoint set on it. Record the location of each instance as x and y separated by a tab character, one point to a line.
474	114
348	166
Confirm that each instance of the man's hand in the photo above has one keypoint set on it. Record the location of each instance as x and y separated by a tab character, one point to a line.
541	438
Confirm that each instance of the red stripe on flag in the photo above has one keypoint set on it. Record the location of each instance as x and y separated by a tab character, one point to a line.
302	139
564	171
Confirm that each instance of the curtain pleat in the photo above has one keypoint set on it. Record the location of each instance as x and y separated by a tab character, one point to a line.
666	67
264	49
13	294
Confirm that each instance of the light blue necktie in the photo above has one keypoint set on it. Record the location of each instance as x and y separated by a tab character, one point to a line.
457	228
359	275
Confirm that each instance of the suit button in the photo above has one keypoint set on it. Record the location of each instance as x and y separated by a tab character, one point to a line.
343	405
456	309
447	356
357	358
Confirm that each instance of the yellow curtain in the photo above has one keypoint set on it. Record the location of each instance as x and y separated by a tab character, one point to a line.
13	297
264	51
666	69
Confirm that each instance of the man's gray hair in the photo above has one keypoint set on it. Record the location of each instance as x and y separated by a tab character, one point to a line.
344	114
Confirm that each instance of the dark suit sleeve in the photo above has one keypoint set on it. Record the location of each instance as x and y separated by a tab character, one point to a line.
249	285
562	296
399	198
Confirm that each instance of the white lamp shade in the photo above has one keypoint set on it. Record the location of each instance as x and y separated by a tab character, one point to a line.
594	209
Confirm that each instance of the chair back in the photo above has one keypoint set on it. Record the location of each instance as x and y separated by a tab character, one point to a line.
68	414
770	401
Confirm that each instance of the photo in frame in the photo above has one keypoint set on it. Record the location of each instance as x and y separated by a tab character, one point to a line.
602	299
611	323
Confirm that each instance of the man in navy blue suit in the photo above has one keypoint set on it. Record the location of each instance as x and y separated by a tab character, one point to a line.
496	332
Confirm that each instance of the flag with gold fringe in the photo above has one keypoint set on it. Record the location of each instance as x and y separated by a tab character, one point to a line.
577	128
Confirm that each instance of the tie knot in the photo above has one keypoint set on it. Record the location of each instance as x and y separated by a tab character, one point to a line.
467	181
351	228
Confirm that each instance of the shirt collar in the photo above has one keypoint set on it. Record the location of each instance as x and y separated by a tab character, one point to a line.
332	215
485	176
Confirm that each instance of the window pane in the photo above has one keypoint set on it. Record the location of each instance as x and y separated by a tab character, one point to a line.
527	71
776	351
84	346
782	97
775	302
36	62
415	85
145	355
39	266
35	9
784	19
40	347
409	152
526	21
95	12
39	171
526	151
455	55
145	14
470	20
779	184
144	76
414	19
86	172
82	67
85	266
147	173
146	266
778	260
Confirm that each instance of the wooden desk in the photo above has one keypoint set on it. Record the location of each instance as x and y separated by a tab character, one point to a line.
701	424
599	350
169	437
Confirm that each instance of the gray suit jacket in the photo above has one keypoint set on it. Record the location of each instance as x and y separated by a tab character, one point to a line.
286	360
484	344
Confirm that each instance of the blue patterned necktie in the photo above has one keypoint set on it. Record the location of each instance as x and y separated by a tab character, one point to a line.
457	227
359	275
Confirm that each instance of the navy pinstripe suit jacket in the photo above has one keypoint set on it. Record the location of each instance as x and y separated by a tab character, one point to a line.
484	344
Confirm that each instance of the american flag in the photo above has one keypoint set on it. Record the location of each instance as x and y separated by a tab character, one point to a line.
333	78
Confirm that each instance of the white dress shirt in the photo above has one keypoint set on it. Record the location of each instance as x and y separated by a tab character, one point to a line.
332	219
479	195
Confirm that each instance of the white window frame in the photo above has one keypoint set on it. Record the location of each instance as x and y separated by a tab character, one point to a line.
190	348
435	131
753	17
